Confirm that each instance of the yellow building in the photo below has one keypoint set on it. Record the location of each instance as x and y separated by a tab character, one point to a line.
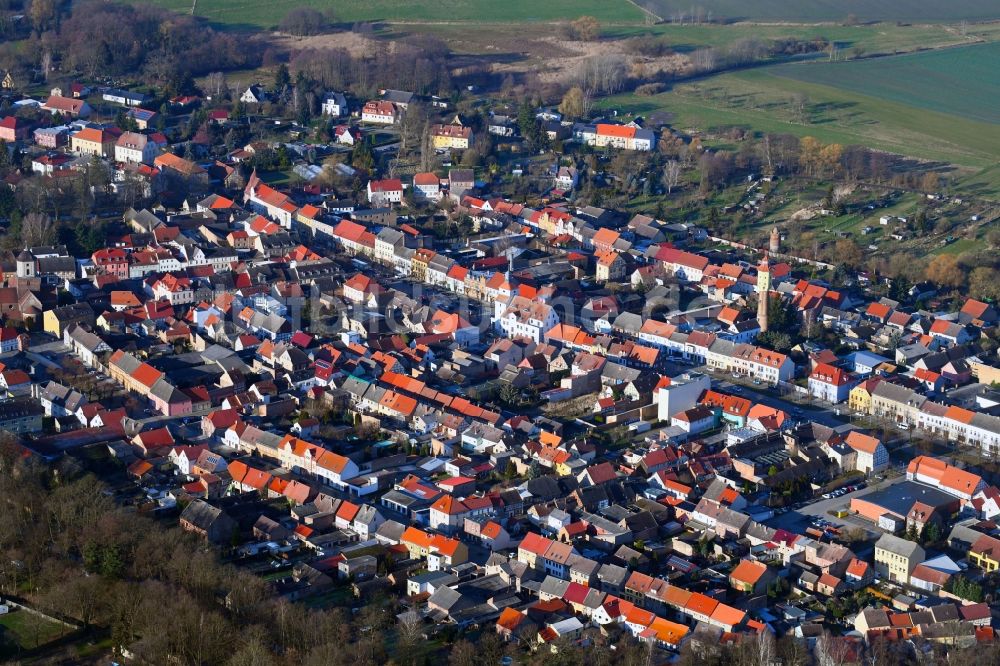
860	397
895	558
57	320
610	266
451	137
985	553
90	141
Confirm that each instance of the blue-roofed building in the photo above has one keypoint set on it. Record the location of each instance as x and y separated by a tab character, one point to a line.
863	363
142	117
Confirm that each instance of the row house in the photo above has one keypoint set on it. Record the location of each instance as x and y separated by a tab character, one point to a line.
751	361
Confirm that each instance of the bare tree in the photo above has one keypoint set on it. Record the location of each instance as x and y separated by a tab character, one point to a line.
831	651
800	103
408	630
37	229
671	175
764	649
215	83
46	64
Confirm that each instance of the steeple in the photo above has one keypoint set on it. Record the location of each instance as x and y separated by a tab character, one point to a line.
763	292
25	264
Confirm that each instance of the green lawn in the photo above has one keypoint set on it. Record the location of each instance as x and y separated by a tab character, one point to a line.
262	13
29	630
835	10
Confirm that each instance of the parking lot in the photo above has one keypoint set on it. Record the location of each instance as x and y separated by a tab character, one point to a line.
799	519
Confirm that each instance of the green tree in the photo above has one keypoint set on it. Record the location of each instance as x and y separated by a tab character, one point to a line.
932	533
965	588
281	77
362	157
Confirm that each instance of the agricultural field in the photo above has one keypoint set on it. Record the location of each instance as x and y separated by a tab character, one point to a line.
830	10
946	122
960	81
263	14
866	40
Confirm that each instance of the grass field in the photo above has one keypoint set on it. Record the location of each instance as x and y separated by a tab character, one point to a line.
28	630
762	102
872	39
960	81
265	14
925	115
836	10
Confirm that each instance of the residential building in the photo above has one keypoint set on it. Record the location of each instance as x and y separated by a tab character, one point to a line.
895	558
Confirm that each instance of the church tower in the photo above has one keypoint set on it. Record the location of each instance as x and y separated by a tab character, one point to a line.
763	292
25	264
774	245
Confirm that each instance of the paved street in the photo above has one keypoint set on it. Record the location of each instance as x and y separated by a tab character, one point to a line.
825	415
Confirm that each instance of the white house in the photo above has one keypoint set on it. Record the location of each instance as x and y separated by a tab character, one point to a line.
379	112
334	104
830	383
872	456
135	148
522	316
426	186
383	192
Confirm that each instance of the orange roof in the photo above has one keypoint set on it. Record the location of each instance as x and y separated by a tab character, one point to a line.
668	632
861	442
974	308
509	619
332	461
146	375
416	537
534	543
959	414
959	479
925	375
621	131
426	178
444	545
348	510
878	310
171	161
398	402
857	568
748	571
90	134
701	604
490	530
449	505
730	404
549	439
727	615
605	236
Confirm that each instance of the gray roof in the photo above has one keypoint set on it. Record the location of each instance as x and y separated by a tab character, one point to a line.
612	574
554	587
898	546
